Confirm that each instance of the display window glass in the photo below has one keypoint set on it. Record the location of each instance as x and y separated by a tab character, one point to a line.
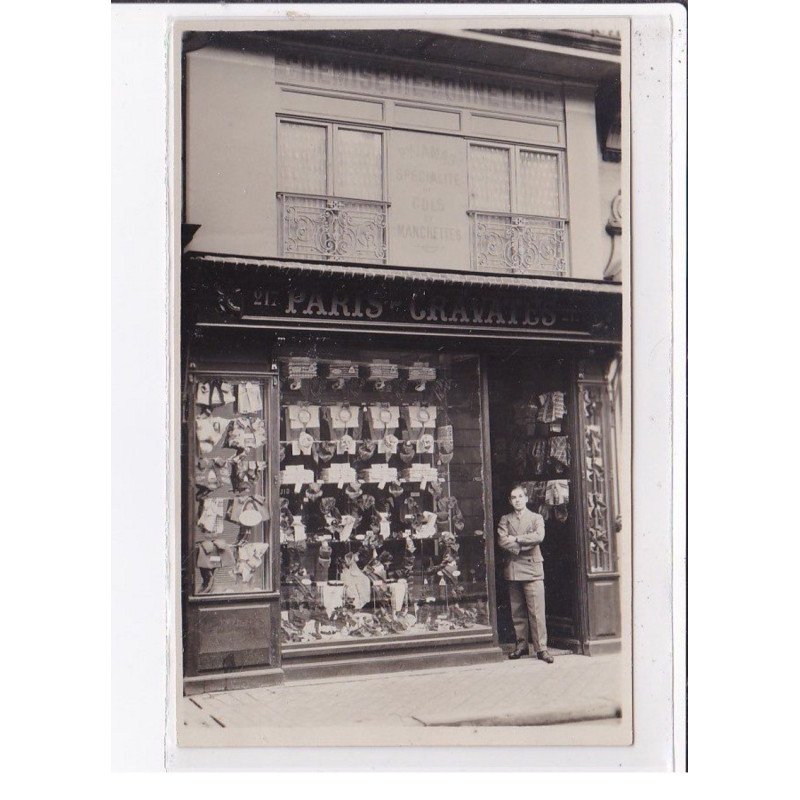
229	545
382	525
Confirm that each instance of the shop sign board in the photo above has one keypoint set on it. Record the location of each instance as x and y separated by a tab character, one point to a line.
297	299
538	100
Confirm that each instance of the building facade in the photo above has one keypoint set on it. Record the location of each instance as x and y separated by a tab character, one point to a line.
400	296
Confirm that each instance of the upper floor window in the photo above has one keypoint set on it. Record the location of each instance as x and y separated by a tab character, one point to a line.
517	209
332	191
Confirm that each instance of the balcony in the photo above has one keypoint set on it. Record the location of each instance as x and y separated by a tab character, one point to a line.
332	228
519	244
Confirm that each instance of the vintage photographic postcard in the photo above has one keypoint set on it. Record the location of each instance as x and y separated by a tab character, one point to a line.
401	381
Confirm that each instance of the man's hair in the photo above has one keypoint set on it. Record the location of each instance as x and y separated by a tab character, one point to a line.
519	486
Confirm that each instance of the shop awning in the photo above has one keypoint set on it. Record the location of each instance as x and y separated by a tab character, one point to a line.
453	277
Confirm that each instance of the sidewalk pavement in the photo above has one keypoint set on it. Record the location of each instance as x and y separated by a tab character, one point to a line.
525	692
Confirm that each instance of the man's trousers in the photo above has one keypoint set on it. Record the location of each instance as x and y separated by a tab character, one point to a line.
527	612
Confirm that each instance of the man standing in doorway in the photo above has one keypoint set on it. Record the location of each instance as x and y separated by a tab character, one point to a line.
520	534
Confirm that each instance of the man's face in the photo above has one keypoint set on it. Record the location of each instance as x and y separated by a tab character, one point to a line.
518	499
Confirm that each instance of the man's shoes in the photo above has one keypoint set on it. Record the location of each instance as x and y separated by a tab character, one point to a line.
543	655
520	650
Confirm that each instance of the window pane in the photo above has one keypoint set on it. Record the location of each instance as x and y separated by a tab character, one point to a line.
379	537
303	158
358	167
538	184
489	179
231	487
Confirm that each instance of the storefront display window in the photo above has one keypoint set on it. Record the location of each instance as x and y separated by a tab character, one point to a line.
381	507
230	543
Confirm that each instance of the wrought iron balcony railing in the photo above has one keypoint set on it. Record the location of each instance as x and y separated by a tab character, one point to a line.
332	228
519	243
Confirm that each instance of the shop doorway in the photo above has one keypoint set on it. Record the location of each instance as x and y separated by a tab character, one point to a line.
532	443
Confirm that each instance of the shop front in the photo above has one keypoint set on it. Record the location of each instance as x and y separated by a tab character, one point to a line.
350	439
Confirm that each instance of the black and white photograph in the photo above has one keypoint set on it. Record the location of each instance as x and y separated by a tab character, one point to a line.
402	461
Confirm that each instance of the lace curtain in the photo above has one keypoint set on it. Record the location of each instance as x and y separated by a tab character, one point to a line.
538	184
358	165
489	178
303	158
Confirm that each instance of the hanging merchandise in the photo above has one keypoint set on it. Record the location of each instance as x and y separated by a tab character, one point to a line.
409	508
420	373
205	478
366	450
378	473
339	372
340	474
537	491
286	526
313	492
388	445
353	490
212	474
357	587
300	417
347	524
366	502
444	436
395	489
212	515
247	433
249	557
246	474
559	457
399	592
298	369
539	456
424	525
297	475
557	497
418	419
298	530
210	431
445	454
557	493
458	516
383	419
248	398
450	542
326	451
304	445
448	511
214	393
552	407
209	559
346	445
425	444
213	554
331	595
552	410
248	511
342	417
380	371
422	474
323	564
385	529
329	511
407	452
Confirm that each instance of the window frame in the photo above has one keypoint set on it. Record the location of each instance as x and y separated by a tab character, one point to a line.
514	148
332	128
